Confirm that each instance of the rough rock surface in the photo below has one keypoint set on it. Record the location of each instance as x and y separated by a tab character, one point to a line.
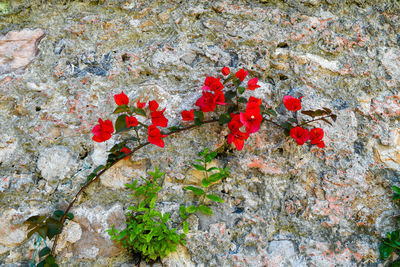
18	49
285	205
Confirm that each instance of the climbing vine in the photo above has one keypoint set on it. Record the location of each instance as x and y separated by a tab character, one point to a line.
222	102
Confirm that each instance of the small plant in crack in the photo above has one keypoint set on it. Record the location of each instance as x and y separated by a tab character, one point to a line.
147	232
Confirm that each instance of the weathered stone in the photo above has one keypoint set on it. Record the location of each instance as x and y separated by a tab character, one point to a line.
124	172
55	163
18	49
11	235
179	258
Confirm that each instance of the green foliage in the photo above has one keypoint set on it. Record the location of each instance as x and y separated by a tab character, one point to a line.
391	243
224	118
47	227
147	232
211	176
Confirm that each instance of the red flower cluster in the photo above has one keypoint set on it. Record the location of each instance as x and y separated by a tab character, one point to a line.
102	131
155	136
212	95
252	84
131	121
241	74
121	99
302	135
225	71
187	115
251	119
291	103
157	117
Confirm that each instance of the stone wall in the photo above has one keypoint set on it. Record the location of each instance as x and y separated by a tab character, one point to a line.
285	205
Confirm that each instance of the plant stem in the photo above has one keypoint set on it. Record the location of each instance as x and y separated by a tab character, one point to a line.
137	135
271	121
70	205
317	119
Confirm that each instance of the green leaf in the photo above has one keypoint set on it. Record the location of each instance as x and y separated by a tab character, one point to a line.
205	183
396	196
42	231
385	251
199	167
286	125
192	209
197	121
54	227
99	168
241	89
229	95
395	264
206	210
120	124
242	100
36	219
139	111
328	122
185	226
197	191
212	169
182	212
50	259
396	189
41	264
328	110
224	118
272	112
58	213
44	251
211	156
215	177
199	114
395	235
121	108
173	128
70	216
215	198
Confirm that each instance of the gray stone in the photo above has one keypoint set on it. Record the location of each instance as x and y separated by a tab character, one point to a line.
55	163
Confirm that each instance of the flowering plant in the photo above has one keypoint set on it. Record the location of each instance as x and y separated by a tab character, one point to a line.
221	101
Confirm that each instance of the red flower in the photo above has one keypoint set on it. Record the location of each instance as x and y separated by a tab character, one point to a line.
131	121
158	118
225	71
102	131
140	104
153	105
291	103
207	102
253	103
251	119
155	136
237	139
212	84
125	150
241	74
301	135
187	115
121	99
234	125
320	144
252	84
316	135
219	98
